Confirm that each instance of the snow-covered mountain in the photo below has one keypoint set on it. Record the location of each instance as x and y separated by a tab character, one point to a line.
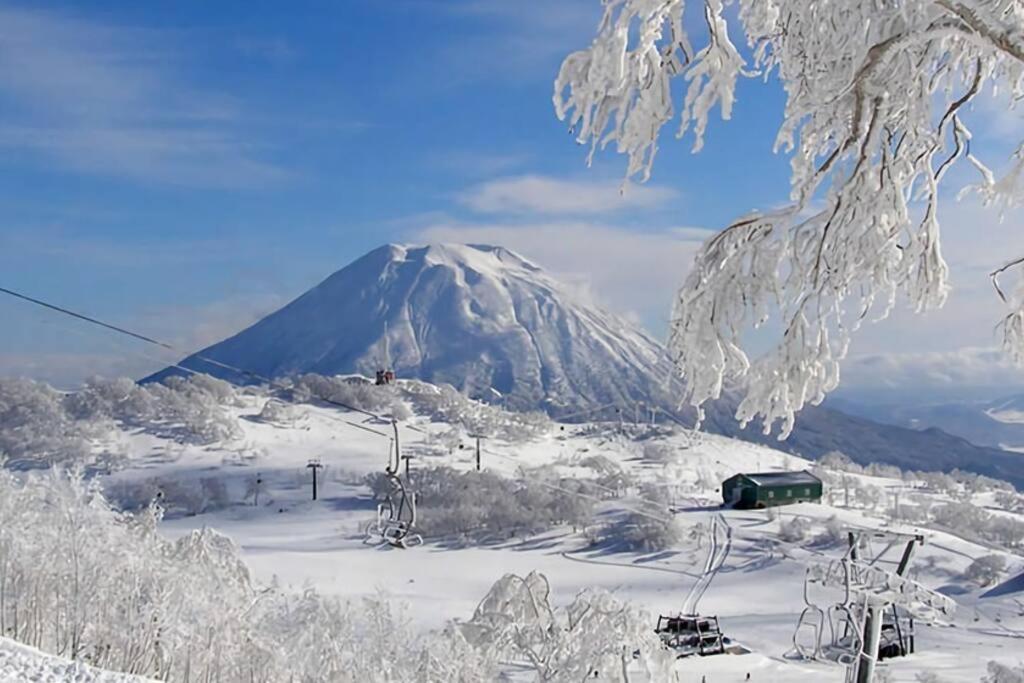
994	424
481	318
501	329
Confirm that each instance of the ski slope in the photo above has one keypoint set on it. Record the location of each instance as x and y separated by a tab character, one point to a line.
732	563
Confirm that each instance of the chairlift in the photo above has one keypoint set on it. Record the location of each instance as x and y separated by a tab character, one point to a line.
812	619
847	637
396	515
689	635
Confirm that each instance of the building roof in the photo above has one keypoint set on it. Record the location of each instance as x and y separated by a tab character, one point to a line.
782	478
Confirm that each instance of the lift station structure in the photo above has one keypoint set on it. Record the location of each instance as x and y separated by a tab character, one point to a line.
768	489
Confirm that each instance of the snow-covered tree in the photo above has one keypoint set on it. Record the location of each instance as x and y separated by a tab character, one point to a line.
1000	673
878	93
986	570
596	636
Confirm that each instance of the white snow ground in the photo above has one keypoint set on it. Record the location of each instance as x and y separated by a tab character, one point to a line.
23	664
757	593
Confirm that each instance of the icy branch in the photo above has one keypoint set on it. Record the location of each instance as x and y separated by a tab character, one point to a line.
875	118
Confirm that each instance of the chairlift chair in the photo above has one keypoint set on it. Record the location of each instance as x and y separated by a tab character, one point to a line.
689	635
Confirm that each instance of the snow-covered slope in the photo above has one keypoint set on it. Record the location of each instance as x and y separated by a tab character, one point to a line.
481	318
757	593
22	664
253	484
500	328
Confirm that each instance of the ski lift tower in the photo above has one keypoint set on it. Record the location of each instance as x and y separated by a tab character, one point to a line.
861	626
478	438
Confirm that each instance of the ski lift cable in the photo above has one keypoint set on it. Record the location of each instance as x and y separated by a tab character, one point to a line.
588	411
156	342
195	373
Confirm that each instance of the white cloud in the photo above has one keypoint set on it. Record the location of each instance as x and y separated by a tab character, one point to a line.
521	40
532	194
635	274
107	100
935	376
65	352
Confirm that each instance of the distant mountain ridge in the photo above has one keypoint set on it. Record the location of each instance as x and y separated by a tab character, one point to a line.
996	424
498	327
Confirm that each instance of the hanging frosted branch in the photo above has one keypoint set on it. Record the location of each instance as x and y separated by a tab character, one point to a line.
876	96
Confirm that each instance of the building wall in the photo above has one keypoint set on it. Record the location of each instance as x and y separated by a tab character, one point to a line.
753	495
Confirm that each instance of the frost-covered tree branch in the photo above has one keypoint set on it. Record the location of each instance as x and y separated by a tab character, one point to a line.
877	94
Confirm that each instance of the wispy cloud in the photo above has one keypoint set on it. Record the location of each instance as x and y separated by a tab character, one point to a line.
635	274
109	100
532	194
933	376
94	351
522	40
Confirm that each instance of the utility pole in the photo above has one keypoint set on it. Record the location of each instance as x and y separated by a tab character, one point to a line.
407	459
896	503
314	465
479	438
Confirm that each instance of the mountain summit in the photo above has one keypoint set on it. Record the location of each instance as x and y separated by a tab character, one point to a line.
481	318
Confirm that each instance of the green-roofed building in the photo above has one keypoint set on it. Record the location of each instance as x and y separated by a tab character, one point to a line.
767	489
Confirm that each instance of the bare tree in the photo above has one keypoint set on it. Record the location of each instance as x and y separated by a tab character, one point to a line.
875	118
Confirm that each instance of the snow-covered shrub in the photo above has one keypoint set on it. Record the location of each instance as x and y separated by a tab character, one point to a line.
986	570
647	532
648	527
277	412
877	469
794	530
181	496
132	495
1000	673
611	479
971	520
40	426
36	430
979	483
81	580
930	677
839	461
482	506
444	403
1010	501
191	409
354	391
833	533
597	635
659	453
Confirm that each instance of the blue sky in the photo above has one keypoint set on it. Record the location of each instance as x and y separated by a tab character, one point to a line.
185	167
